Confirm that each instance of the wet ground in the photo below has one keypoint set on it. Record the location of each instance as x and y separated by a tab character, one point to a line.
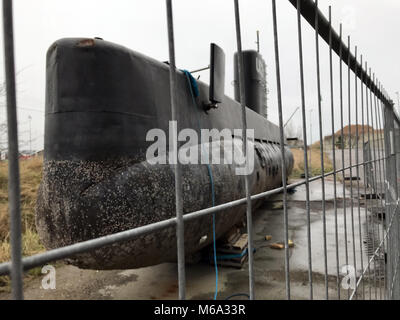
160	282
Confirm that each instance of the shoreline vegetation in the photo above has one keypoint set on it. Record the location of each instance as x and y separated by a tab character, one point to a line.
30	175
298	155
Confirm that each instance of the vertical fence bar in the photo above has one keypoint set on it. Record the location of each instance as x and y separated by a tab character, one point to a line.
380	185
390	170
351	158
343	146
395	226
180	232
396	285
13	164
365	182
370	173
245	143
334	153
383	174
385	221
321	148
358	171
282	141
387	208
376	181
373	174
306	173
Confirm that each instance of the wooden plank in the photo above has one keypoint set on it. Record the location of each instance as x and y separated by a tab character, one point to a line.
241	244
231	236
236	247
234	243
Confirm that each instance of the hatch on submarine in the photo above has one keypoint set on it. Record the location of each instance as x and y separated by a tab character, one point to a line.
102	99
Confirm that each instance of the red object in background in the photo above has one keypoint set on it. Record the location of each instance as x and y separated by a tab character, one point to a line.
24	157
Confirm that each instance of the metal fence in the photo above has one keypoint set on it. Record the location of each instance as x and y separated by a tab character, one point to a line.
371	225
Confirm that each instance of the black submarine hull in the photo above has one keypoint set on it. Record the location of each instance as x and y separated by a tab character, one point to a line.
101	101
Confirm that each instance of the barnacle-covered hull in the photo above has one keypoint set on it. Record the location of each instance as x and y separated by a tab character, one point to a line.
101	101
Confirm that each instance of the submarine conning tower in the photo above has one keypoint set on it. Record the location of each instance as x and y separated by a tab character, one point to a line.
255	81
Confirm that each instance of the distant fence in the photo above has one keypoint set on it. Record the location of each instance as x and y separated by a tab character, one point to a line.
378	261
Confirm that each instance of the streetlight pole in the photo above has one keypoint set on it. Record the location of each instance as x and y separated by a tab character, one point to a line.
291	117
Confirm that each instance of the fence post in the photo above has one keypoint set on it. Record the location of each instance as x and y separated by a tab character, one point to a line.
391	195
180	233
396	224
245	148
13	164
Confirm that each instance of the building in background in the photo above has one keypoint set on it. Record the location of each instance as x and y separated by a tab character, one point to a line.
350	137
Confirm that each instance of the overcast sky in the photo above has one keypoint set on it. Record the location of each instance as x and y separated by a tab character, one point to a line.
141	26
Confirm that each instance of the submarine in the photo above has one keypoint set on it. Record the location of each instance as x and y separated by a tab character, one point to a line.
102	100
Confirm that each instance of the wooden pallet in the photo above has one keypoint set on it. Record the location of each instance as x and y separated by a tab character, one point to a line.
236	246
235	263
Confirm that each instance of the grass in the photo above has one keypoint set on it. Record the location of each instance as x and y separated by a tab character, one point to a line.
316	170
30	175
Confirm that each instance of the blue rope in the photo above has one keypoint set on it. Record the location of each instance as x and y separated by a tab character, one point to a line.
194	88
194	91
235	256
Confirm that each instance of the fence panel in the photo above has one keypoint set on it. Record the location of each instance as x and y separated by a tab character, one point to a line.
360	235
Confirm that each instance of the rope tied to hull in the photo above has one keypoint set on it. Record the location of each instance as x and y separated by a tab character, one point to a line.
193	84
194	91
